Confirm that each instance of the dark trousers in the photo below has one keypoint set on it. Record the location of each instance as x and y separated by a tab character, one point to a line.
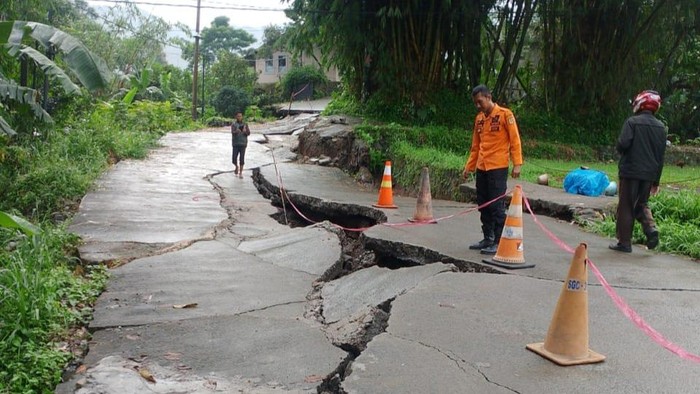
238	157
489	185
632	204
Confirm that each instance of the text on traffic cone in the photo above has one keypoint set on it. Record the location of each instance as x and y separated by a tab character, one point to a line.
566	342
386	194
424	203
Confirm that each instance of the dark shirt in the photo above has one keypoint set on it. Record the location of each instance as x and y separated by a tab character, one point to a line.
642	145
239	134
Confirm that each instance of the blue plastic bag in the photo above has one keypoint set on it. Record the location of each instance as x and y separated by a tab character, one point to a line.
586	182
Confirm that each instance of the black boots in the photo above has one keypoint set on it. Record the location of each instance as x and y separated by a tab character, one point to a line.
484	243
652	238
621	248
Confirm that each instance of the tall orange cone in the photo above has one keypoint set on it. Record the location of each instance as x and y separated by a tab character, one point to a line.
510	248
386	196
566	342
424	203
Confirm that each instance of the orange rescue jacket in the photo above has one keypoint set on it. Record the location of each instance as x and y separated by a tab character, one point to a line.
495	139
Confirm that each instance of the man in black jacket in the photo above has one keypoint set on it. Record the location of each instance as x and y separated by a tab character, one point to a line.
642	145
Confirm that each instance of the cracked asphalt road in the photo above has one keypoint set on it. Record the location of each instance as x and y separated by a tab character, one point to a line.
181	229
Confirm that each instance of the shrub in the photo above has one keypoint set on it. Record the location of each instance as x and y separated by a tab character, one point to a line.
44	298
230	100
298	77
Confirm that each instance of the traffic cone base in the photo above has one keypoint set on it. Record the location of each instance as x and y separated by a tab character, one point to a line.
431	221
386	194
386	206
424	202
591	358
566	342
510	266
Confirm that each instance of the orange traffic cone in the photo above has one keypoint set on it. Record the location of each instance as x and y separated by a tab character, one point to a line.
386	196
510	248
567	338
424	204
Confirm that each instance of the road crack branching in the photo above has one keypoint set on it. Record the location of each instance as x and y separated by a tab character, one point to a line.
457	361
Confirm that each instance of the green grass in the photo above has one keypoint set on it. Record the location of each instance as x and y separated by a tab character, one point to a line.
41	298
444	151
672	177
677	215
44	291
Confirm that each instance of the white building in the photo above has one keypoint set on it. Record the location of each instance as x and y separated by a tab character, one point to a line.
272	70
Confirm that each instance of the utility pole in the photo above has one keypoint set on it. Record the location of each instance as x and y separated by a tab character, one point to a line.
196	64
204	66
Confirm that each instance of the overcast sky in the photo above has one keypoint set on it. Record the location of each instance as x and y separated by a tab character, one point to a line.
259	14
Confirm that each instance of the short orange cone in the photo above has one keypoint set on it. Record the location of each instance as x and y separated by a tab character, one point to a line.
510	247
424	203
386	196
567	338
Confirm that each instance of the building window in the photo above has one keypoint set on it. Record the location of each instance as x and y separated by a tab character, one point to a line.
269	67
281	63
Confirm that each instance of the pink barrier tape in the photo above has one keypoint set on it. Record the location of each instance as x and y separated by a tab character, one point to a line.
638	321
619	302
284	196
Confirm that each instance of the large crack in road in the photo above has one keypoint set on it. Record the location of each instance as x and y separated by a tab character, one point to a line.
368	260
359	252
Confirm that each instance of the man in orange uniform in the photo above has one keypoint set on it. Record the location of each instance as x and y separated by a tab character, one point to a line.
496	140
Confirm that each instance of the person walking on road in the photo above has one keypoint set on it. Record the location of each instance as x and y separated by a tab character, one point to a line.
642	145
495	142
239	140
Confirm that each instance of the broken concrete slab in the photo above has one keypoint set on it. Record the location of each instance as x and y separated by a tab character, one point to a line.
355	331
290	249
115	253
395	365
486	321
218	278
292	354
258	138
289	124
118	375
164	199
371	287
334	137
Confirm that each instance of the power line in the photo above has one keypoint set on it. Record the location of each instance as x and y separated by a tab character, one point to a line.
211	7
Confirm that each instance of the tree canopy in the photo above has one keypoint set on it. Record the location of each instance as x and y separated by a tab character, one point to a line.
575	58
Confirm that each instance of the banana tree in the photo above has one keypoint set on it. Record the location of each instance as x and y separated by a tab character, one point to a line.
87	68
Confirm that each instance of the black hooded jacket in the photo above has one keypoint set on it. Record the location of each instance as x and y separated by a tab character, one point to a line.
642	145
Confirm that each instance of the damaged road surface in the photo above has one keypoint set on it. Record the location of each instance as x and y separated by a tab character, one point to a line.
219	286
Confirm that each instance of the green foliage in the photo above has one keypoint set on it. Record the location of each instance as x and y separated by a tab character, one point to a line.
44	173
298	77
535	124
445	169
402	51
230	100
343	102
233	70
15	222
89	69
218	121
216	39
383	136
677	215
253	114
274	39
44	299
123	35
